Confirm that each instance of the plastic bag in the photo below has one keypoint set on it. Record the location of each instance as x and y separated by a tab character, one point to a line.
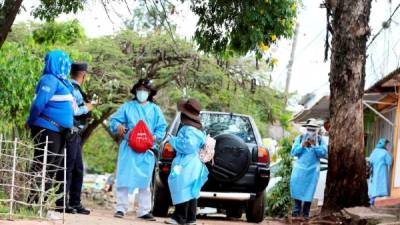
140	138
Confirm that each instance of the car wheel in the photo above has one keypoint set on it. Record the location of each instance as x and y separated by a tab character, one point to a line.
234	212
255	211
161	201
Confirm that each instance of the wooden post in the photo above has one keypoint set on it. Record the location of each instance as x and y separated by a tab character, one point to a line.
14	166
395	191
43	183
291	61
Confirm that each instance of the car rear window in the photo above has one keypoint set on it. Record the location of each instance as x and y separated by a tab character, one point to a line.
215	124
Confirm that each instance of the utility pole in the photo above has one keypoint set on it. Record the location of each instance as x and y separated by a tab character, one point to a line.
291	61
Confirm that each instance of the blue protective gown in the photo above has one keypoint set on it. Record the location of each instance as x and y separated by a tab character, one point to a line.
135	170
380	161
305	173
188	173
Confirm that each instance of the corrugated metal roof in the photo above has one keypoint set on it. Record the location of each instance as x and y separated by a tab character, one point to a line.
386	84
320	110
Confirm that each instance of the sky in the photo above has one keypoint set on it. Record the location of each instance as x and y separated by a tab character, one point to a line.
310	72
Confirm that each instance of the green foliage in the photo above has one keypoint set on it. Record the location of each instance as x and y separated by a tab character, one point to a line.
21	33
21	65
147	17
65	33
50	9
100	152
242	26
19	69
278	200
116	62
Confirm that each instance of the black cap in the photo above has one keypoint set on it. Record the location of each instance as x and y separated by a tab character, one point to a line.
147	84
79	66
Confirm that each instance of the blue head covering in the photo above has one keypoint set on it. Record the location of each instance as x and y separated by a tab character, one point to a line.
381	143
57	63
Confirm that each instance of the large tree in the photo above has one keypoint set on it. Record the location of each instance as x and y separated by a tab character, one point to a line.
240	30
346	184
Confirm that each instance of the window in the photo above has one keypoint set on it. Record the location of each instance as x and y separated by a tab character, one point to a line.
215	124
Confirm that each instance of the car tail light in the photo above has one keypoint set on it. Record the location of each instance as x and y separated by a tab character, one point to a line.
168	152
263	155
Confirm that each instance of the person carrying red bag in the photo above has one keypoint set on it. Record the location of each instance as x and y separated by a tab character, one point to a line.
135	166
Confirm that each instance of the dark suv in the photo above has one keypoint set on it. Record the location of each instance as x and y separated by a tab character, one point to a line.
239	172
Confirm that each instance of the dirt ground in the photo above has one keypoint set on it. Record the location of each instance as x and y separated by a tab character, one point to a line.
105	217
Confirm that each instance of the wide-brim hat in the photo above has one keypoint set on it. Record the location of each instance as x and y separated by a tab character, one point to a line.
311	123
145	83
190	112
191	108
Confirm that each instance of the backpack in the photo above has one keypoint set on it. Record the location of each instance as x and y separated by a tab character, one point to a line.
206	154
140	138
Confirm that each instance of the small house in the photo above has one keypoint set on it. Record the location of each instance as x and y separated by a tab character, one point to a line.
381	119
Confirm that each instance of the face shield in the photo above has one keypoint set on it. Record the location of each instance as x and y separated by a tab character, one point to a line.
311	131
312	134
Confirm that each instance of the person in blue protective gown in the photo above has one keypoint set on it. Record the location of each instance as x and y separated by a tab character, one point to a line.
134	169
188	173
380	162
308	148
50	117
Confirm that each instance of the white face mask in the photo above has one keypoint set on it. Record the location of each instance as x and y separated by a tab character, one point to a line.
142	96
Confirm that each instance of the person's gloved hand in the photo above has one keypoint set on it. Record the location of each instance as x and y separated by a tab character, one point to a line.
121	130
306	144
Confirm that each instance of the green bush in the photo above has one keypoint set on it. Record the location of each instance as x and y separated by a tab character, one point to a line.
278	200
100	152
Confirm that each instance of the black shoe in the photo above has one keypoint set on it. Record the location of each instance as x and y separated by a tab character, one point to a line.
148	217
81	210
68	209
119	214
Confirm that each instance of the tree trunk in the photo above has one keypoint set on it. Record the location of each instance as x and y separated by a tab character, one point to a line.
346	184
8	12
291	61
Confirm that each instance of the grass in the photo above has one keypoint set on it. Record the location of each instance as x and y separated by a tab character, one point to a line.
20	212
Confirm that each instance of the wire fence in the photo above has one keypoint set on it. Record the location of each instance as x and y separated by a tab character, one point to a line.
29	187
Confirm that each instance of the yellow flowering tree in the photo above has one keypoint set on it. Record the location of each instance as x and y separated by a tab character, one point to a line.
248	25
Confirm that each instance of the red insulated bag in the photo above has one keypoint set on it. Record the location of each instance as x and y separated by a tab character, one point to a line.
140	138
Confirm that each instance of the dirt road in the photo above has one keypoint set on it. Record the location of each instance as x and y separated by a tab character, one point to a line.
105	217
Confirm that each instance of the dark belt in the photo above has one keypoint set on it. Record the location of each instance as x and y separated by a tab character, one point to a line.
61	128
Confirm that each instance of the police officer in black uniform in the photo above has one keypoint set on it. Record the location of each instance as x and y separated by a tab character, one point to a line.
74	144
